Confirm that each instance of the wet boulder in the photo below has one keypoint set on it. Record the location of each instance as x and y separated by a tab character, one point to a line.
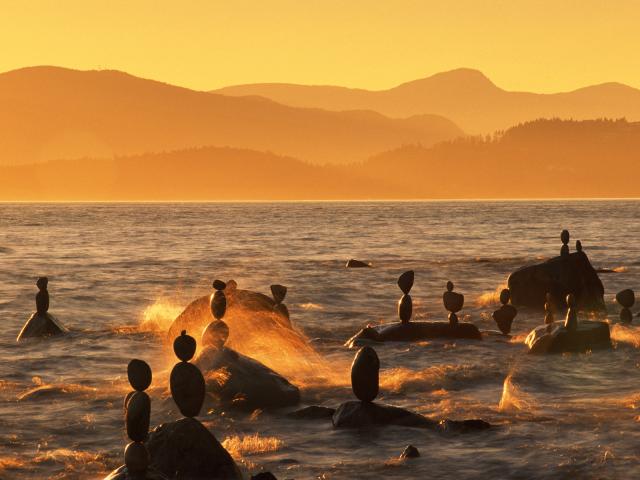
356	414
414	331
559	276
41	325
557	338
187	449
243	382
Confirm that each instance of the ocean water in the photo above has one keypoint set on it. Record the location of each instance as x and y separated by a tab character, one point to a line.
119	273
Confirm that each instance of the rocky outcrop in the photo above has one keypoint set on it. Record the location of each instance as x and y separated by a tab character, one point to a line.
243	382
187	449
557	338
559	276
414	331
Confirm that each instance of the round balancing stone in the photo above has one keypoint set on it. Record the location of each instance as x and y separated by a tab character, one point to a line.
138	412
405	308
365	371
505	296
219	285
184	346
187	388
218	304
215	334
136	457
139	373
626	298
405	281
564	237
278	292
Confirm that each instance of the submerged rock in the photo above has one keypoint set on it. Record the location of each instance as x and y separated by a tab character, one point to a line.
353	263
313	412
410	452
41	325
186	449
414	331
355	414
559	276
244	382
556	338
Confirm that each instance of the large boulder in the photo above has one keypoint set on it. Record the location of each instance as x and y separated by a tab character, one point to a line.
239	302
41	325
244	382
414	331
558	276
187	449
556	338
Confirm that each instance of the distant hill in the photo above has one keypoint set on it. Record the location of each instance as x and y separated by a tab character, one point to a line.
187	175
540	159
465	96
49	112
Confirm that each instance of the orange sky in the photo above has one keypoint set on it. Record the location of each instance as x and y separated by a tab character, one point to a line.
521	45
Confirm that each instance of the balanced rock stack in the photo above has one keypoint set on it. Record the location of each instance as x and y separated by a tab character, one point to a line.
549	310
137	407
571	320
279	292
564	237
405	305
41	323
506	313
186	381
626	298
453	302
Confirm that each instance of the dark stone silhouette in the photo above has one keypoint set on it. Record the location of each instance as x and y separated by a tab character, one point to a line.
279	292
245	383
186	381
264	476
570	335
186	449
578	246
626	298
564	237
559	276
41	323
407	331
137	414
506	313
410	452
365	374
219	285
353	263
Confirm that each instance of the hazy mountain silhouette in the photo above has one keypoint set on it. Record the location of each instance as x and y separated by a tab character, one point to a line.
51	112
540	159
465	96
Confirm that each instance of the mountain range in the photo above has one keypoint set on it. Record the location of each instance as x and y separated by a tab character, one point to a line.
465	96
49	112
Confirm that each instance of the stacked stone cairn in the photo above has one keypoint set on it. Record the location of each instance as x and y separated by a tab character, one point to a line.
506	313
137	416
626	298
217	332
564	237
405	305
453	302
186	381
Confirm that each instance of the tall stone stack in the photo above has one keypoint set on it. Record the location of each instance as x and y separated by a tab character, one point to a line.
564	237
453	302
279	292
626	298
506	313
571	320
549	310
216	333
186	381
405	304
365	375
137	417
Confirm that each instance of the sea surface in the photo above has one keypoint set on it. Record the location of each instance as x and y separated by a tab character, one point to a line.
119	273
